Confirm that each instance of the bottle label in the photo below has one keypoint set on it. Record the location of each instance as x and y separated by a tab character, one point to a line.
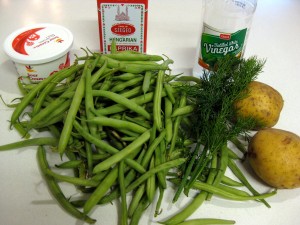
216	44
124	21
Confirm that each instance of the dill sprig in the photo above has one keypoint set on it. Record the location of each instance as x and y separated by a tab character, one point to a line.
214	121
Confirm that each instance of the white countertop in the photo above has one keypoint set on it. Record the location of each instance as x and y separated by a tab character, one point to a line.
173	31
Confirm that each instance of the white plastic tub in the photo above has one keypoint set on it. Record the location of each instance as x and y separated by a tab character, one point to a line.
39	50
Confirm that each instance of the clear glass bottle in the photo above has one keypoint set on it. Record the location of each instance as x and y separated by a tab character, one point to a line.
225	28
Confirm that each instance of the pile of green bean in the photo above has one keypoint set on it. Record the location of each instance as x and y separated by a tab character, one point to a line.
115	120
110	119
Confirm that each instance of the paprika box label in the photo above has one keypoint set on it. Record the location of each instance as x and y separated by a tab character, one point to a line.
126	22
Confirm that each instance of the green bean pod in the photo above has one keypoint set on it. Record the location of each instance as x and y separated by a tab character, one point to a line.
127	103
30	142
225	194
56	191
207	221
129	149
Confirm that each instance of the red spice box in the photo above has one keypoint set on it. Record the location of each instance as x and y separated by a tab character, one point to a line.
126	22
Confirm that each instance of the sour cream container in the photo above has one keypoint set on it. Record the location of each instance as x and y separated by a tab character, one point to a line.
39	50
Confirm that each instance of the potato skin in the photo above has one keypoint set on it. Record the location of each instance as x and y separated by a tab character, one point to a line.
274	155
262	102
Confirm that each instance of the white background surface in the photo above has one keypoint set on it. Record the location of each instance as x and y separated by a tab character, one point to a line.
173	30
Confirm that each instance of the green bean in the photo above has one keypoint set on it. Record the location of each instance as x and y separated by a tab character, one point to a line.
150	183
22	87
129	83
146	81
54	130
68	124
106	84
189	79
152	136
150	65
157	98
136	199
100	176
238	173
31	95
124	102
22	131
169	91
72	180
207	221
183	111
128	179
126	76
106	147
141	68
100	191
116	123
50	121
129	133
134	57
100	73
115	139
239	145
159	201
11	105
120	107
124	213
59	89
131	93
139	211
196	202
192	206
232	154
159	159
69	164
56	116
138	121
168	120
89	101
233	190
224	194
229	181
162	167
47	111
46	91
30	142
88	149
73	157
127	138
176	125
132	67
55	190
152	148
140	100
123	153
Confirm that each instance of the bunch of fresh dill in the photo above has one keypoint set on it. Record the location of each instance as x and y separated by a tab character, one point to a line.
213	119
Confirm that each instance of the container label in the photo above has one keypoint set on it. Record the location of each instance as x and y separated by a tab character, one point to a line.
124	22
216	44
38	41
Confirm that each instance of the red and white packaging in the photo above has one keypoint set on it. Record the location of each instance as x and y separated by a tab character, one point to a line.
126	22
39	50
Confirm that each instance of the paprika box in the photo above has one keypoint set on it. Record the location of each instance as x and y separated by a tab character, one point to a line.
126	22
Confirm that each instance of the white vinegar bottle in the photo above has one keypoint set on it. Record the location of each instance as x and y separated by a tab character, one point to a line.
225	28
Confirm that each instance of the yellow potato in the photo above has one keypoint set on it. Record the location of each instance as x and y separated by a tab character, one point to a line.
262	102
274	155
